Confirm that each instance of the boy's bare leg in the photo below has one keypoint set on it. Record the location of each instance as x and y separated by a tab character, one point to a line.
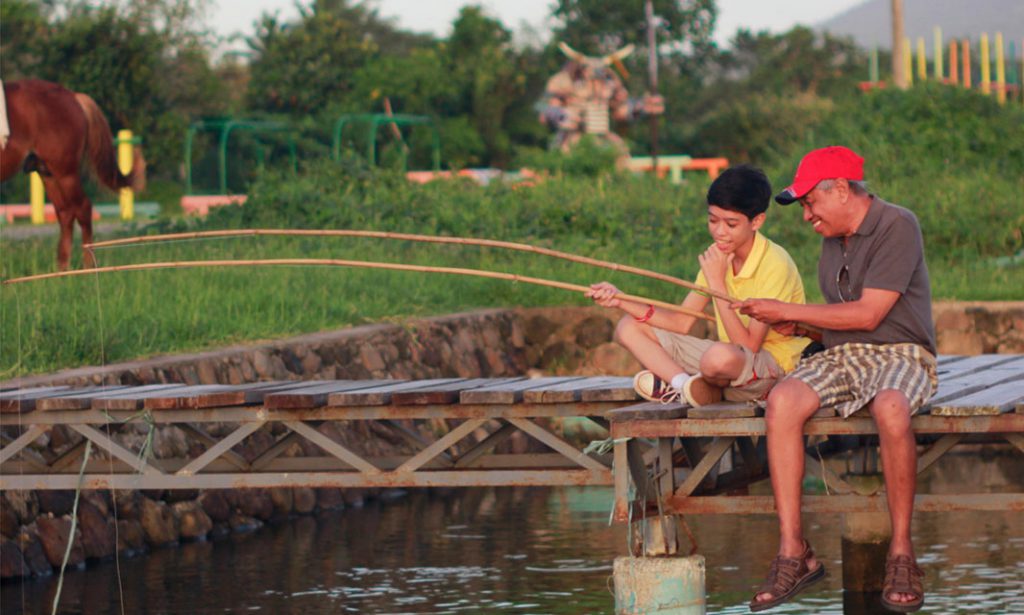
722	363
790	404
639	339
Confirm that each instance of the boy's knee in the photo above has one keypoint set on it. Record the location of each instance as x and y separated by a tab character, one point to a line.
626	327
722	361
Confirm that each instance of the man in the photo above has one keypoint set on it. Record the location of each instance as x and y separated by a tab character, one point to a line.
749	357
879	351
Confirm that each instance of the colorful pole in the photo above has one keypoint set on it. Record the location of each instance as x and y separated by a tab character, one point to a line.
954	75
1000	70
939	72
908	62
124	162
37	198
986	69
922	61
966	48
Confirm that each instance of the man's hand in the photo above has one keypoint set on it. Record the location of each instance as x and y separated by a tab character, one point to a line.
603	294
767	311
715	263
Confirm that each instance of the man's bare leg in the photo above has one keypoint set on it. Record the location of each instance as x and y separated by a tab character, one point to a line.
790	404
891	411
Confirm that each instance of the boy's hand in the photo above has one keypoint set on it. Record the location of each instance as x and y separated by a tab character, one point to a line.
715	263
603	294
767	311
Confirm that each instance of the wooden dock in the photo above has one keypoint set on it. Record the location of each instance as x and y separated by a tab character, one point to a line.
978	397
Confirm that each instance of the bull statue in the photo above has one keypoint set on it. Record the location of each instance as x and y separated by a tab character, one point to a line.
587	96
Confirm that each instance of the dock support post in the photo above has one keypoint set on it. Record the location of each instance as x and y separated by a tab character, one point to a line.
662	585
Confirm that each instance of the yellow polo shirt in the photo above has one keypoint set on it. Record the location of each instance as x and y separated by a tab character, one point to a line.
768	273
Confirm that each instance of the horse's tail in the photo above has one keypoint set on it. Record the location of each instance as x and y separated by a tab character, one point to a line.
100	150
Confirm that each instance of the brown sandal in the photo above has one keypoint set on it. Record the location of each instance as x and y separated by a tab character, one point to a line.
787	577
902	576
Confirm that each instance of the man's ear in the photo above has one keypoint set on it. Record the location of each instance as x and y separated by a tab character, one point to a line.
843	186
757	221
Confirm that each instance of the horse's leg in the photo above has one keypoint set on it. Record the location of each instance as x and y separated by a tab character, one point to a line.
84	216
68	198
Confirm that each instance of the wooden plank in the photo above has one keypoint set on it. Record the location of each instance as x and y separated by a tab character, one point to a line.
381	395
556	443
132	398
946	359
620	389
511	392
220	395
648	411
315	395
726	410
448	393
951	389
995	400
975	364
78	399
572	391
24	400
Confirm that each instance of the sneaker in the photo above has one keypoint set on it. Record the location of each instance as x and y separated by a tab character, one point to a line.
698	392
653	388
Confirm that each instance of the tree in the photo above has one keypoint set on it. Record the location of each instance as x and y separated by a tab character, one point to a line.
599	26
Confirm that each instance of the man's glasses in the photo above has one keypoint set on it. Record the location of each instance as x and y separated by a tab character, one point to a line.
843	284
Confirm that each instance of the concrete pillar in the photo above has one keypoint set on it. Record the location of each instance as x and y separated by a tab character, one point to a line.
865	538
663	585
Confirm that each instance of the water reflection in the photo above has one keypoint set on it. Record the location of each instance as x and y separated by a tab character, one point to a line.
518	551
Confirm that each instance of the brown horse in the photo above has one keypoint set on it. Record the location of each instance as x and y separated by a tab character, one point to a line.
52	130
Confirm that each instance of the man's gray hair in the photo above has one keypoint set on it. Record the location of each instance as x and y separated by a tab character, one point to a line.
859	187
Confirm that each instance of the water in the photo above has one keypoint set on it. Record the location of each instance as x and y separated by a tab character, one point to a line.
522	551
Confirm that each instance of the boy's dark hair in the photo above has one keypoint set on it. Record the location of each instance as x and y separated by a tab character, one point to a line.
743	188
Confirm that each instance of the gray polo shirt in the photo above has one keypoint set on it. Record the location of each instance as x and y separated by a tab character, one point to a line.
886	252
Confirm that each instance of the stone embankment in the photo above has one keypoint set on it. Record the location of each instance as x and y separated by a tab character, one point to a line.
35	526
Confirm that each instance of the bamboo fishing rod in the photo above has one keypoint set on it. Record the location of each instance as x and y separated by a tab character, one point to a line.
491	243
330	262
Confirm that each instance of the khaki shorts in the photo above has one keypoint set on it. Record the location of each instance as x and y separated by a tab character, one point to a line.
847	377
760	371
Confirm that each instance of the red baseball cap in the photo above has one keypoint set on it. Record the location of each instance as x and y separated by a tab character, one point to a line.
830	162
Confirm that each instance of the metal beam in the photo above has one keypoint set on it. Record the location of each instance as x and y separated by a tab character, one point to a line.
710	459
557	444
21	442
218	449
132	459
765	504
443	444
440	478
332	447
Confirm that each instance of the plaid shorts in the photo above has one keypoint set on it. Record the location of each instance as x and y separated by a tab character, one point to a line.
847	377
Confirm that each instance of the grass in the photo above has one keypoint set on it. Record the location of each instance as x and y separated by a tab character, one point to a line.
964	185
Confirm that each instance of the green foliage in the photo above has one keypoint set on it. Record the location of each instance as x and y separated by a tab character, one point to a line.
589	158
298	67
596	26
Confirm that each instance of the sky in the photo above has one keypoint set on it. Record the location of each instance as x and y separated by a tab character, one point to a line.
231	16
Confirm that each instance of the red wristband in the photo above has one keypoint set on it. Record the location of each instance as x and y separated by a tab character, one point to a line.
647	316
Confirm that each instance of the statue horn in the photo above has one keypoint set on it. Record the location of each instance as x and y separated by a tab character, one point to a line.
621	54
571	53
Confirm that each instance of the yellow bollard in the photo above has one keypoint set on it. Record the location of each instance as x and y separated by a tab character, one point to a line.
922	62
966	48
908	62
1000	70
954	77
986	70
37	198
124	162
939	73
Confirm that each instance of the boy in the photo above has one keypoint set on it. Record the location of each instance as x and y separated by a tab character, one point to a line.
750	357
